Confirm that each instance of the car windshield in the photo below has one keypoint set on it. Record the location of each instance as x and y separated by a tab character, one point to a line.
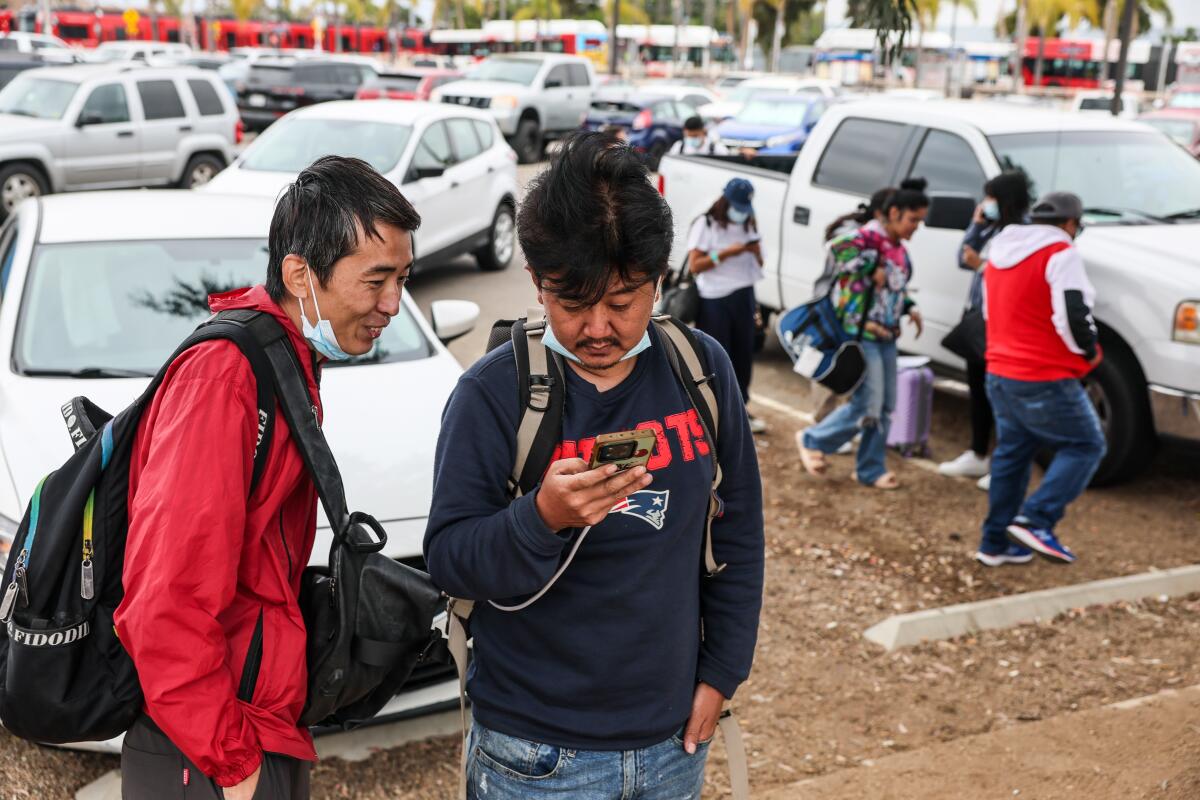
397	83
776	112
274	75
1184	100
290	145
120	307
43	98
510	70
1181	130
1138	177
1098	104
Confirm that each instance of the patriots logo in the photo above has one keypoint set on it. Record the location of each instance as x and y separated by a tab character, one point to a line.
645	505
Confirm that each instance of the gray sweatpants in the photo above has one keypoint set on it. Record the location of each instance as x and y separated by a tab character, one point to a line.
153	768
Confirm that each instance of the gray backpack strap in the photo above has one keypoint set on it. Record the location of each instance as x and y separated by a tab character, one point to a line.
542	389
458	611
735	754
685	356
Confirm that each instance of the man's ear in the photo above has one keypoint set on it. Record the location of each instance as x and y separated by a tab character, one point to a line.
295	276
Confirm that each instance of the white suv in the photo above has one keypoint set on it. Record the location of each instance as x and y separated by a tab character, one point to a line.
93	127
532	96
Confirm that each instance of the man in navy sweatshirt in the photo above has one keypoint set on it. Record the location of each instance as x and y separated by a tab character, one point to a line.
609	686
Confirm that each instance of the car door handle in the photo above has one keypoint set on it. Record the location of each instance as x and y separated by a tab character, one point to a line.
124	134
491	170
453	184
800	215
185	128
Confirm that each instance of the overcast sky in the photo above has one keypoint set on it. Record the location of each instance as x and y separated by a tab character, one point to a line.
1187	13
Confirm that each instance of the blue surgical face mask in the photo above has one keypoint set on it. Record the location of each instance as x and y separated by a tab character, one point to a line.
991	210
692	144
738	217
321	336
551	341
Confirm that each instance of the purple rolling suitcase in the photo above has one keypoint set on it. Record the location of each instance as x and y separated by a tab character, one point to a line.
909	432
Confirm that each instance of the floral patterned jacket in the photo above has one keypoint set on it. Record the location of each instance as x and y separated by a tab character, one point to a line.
857	255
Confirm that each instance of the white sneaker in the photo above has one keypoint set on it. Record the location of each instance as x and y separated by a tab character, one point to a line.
758	425
968	465
985	483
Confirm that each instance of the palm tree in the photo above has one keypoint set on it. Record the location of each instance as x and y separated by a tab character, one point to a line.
1111	14
244	9
927	12
1046	15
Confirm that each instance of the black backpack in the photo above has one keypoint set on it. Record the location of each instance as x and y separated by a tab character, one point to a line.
64	676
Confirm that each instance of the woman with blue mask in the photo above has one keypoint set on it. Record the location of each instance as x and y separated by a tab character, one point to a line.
1005	202
725	254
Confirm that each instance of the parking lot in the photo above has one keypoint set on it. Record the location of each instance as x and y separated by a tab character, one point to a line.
822	700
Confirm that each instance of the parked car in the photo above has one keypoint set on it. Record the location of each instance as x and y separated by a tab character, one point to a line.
652	123
106	284
731	80
451	163
13	64
49	48
406	84
100	126
772	123
747	90
689	93
1142	195
1185	96
140	51
1181	125
275	87
1100	102
533	96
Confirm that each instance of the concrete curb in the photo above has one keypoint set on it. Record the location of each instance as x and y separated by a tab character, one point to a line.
934	624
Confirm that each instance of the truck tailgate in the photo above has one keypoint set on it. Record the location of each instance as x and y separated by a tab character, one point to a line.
691	184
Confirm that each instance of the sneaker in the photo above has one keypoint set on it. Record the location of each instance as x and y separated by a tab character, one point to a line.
1014	554
968	465
985	483
758	425
1041	541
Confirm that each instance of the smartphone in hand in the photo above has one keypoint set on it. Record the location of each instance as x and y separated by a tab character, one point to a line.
626	449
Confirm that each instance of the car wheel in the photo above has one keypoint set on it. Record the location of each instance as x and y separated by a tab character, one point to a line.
18	182
1118	393
528	142
655	156
200	170
502	241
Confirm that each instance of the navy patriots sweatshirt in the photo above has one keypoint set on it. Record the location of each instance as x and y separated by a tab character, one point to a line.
610	657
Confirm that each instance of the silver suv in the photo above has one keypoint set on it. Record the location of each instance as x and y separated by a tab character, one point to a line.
96	126
533	96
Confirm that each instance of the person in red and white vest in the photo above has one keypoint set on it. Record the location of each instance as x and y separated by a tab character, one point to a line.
1041	340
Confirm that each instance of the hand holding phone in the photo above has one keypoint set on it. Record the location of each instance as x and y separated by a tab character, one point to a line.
575	493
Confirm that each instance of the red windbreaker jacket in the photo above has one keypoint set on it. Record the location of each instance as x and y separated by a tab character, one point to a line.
203	561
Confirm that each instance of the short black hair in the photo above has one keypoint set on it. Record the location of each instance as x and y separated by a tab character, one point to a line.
592	216
1012	190
319	215
693	124
909	197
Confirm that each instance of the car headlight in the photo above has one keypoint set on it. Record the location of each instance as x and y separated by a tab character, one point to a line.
505	102
1187	322
782	139
8	532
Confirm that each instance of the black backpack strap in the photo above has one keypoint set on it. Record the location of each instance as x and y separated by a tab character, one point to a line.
541	386
692	368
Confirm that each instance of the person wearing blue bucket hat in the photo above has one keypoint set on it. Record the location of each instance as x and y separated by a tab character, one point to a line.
725	254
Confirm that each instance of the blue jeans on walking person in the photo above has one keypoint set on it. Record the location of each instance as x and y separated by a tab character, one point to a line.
503	767
1032	416
869	410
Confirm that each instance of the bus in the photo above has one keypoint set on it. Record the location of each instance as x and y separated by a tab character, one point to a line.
1081	63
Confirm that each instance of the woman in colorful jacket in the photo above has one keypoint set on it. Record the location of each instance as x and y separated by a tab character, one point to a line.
871	297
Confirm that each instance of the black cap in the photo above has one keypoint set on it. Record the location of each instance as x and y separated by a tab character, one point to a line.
1057	206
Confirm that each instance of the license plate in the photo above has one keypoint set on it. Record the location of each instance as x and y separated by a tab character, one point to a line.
257	100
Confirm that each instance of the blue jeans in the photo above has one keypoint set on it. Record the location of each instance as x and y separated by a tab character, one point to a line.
1032	416
869	410
503	767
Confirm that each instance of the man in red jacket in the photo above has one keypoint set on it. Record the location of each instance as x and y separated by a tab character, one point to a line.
1041	339
210	615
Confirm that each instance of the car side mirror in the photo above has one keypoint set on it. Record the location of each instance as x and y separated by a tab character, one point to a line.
554	84
950	211
453	318
88	118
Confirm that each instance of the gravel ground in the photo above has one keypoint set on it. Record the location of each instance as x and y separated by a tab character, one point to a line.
839	559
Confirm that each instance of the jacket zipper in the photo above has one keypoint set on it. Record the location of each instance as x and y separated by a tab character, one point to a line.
253	662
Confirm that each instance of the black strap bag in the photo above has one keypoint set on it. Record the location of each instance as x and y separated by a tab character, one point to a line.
681	295
968	339
64	676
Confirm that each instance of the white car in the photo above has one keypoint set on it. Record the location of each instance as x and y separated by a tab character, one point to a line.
140	52
452	163
1100	102
50	49
745	91
691	94
106	284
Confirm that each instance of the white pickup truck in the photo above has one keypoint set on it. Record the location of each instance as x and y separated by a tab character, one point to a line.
1141	246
